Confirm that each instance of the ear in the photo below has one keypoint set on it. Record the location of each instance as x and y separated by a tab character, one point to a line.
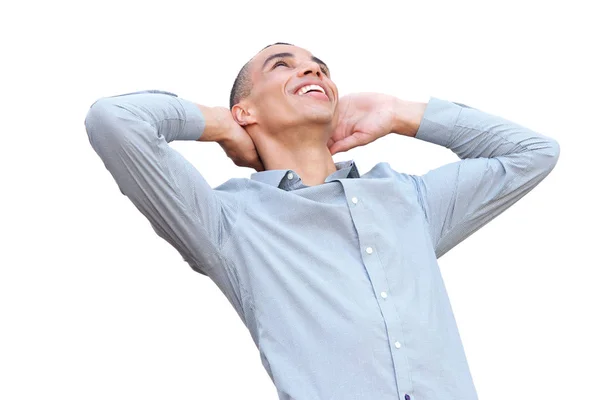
243	115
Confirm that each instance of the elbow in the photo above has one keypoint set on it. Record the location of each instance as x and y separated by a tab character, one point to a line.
98	115
545	157
102	121
556	150
551	154
104	127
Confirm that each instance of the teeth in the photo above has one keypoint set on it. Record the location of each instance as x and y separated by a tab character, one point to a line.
306	88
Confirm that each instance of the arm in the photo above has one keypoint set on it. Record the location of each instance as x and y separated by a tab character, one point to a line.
501	162
131	133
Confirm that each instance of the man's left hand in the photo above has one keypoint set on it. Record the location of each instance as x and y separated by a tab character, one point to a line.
363	118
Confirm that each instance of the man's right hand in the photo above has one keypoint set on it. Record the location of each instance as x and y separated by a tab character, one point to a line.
233	138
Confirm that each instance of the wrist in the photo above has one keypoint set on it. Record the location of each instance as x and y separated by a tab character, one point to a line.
217	120
407	116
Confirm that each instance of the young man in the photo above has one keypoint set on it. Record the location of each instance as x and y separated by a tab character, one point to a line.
334	273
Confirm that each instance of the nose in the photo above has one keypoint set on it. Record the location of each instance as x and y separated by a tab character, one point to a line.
310	67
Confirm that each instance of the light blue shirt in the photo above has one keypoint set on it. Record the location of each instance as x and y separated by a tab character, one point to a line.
338	283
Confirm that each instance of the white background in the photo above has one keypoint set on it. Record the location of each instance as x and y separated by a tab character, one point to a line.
94	305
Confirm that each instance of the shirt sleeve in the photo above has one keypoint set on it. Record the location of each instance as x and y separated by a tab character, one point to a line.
501	162
131	133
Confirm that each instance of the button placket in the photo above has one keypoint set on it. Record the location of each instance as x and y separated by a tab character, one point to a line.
368	233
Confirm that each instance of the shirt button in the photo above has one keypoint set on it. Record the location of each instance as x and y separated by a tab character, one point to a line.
384	295
369	250
354	200
290	176
398	345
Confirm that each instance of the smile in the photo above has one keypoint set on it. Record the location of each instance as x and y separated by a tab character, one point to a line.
313	91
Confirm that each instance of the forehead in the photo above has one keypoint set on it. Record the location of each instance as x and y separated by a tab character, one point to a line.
283	48
258	60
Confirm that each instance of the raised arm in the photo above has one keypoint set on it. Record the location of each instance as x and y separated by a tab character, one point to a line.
131	133
501	162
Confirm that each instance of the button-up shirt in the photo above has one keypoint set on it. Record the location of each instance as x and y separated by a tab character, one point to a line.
337	283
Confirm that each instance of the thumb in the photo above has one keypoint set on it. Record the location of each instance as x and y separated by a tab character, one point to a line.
345	144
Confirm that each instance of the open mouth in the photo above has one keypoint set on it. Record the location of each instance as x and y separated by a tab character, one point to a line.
314	91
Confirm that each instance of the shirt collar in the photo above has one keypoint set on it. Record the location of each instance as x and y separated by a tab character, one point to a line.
278	177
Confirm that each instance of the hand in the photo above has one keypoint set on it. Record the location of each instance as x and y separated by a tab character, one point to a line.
233	138
363	118
240	148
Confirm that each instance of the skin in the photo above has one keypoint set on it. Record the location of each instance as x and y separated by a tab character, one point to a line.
290	131
275	128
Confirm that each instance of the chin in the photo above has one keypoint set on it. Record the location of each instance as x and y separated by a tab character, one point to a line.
319	114
319	118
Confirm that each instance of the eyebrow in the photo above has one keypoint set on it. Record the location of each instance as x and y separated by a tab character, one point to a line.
283	55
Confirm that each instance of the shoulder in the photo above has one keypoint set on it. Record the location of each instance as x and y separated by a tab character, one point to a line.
385	170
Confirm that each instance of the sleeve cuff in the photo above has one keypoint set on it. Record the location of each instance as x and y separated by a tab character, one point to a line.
194	120
438	121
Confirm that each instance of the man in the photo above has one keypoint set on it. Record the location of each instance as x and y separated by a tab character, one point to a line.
334	273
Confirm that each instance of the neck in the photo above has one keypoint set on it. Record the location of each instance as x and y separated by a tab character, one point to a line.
302	150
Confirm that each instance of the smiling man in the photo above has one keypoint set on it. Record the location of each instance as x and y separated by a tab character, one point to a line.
333	272
286	101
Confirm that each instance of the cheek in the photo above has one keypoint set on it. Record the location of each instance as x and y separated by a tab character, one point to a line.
274	106
275	99
270	93
335	90
270	101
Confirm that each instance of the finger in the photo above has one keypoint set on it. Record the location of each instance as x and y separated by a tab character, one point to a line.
341	131
344	145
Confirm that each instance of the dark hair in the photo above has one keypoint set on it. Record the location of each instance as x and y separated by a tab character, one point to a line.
243	84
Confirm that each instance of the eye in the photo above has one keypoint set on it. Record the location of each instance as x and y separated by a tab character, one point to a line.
278	63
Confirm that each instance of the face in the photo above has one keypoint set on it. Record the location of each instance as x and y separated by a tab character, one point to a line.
290	88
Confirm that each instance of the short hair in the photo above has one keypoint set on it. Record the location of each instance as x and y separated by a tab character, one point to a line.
242	86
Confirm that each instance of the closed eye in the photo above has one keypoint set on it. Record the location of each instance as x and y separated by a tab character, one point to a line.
323	68
280	62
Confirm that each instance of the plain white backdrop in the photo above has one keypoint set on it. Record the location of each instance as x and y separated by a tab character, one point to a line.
94	305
